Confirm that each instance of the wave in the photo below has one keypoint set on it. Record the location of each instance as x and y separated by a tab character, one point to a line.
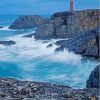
6	28
39	63
30	48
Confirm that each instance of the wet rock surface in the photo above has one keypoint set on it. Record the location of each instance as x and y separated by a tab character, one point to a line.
28	35
67	24
26	22
1	26
11	89
10	42
86	44
50	45
94	78
80	27
60	42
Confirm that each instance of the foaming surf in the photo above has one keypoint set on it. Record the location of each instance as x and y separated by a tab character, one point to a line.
34	61
30	48
5	28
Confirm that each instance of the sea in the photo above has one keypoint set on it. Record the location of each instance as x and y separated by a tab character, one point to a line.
31	60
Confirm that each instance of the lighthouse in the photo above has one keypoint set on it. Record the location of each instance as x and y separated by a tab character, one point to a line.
71	5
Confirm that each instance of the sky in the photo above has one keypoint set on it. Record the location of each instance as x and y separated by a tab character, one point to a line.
43	6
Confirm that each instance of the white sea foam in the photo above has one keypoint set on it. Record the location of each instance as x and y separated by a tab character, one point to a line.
29	52
67	57
29	48
5	28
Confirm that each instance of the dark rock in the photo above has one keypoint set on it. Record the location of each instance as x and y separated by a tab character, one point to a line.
26	22
28	35
67	24
50	45
26	90
60	42
94	78
45	31
86	44
10	42
1	26
60	49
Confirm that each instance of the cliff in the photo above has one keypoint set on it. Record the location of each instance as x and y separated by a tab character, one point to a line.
82	27
67	24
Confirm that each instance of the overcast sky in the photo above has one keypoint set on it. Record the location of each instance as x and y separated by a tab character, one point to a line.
43	6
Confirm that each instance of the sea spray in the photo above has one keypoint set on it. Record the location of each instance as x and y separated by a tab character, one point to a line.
30	59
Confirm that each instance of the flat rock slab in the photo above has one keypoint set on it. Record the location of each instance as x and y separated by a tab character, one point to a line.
1	26
10	42
28	35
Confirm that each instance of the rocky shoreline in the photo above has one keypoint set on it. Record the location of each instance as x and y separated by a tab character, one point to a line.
94	78
86	44
11	89
67	24
81	29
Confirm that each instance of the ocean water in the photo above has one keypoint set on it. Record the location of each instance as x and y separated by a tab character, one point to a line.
30	59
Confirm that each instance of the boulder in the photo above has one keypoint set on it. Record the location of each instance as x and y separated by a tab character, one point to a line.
1	26
26	22
10	42
94	78
50	45
86	44
67	24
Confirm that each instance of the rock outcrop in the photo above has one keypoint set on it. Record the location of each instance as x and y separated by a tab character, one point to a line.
94	78
10	42
67	24
28	35
86	44
1	26
26	22
11	89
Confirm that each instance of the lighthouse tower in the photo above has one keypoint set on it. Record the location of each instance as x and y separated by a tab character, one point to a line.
71	5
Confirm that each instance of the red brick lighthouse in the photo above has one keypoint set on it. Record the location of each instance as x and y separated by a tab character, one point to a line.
71	5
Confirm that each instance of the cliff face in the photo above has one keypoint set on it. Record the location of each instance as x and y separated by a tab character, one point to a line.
67	24
60	25
82	27
86	44
94	78
26	22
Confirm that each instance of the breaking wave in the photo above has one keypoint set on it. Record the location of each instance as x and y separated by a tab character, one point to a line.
30	59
